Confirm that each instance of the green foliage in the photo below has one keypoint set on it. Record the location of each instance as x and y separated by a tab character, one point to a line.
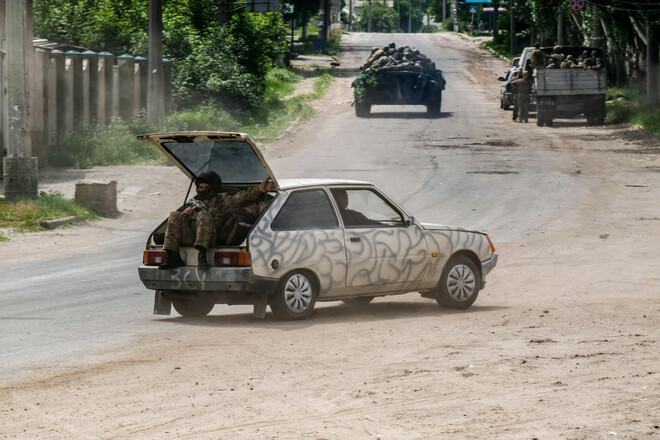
650	120
429	29
624	104
383	18
114	144
27	215
502	49
280	82
362	83
210	64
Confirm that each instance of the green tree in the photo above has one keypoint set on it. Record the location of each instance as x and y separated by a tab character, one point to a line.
383	18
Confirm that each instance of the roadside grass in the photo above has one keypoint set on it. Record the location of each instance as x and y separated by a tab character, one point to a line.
27	214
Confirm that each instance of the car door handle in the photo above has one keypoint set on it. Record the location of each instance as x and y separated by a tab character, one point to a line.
354	239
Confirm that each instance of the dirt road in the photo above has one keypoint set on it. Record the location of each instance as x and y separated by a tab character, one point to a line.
562	343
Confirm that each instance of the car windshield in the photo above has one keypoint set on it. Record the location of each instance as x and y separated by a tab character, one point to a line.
234	161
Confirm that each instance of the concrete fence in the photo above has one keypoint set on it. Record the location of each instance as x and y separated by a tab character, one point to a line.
71	90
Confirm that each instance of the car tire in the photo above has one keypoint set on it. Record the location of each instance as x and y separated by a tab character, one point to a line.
460	284
295	296
359	301
192	307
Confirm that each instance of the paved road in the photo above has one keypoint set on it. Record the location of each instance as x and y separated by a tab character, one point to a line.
465	168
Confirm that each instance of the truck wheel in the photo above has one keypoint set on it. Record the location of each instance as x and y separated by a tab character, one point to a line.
540	118
433	109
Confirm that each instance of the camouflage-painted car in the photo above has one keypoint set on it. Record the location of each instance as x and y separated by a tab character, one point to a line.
314	240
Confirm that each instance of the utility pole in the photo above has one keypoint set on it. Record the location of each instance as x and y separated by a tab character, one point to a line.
512	28
561	28
350	16
652	68
369	18
156	75
444	12
409	16
20	168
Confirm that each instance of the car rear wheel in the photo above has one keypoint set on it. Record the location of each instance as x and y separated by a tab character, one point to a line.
295	296
192	307
459	284
359	301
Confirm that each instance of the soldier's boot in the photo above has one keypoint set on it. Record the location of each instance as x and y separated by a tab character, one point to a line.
172	260
202	263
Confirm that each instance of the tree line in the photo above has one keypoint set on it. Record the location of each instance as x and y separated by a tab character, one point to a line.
212	62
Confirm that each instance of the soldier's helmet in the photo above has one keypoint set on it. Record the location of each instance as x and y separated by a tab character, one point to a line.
211	178
556	49
569	57
594	54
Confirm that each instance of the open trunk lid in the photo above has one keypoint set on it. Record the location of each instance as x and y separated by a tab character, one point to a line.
234	156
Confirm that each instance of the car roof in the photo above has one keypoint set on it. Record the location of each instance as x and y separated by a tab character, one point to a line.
287	184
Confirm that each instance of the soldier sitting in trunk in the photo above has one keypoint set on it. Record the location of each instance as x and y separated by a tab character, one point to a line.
196	224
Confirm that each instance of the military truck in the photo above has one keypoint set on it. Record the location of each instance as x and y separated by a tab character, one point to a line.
398	76
568	92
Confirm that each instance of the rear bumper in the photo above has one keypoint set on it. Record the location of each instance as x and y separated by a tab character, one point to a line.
488	265
215	279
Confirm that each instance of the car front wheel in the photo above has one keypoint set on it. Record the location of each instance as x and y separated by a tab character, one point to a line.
459	284
295	296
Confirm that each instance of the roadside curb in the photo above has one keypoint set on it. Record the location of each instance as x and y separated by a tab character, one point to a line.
53	224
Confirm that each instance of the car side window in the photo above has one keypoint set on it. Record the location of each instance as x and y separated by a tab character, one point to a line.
309	209
360	208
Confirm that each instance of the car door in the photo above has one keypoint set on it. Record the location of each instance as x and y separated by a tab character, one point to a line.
383	247
300	230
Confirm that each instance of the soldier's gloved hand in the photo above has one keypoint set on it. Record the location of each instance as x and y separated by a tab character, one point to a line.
266	185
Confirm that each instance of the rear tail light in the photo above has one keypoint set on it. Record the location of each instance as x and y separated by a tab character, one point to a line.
492	246
154	258
232	259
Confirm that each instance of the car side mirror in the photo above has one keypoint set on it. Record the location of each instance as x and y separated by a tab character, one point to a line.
501	78
410	221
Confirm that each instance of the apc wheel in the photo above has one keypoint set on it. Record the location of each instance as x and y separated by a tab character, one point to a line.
295	296
459	284
359	301
192	307
362	109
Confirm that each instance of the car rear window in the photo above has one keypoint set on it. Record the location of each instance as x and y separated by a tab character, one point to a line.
234	161
310	209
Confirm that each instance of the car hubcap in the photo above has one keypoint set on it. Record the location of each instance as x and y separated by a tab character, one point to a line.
461	283
298	293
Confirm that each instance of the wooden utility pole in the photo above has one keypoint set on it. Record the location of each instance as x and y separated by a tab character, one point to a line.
156	75
20	168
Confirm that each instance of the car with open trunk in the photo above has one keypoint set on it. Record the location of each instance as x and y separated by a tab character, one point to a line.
313	240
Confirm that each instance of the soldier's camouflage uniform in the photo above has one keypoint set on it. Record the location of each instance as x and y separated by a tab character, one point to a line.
199	228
